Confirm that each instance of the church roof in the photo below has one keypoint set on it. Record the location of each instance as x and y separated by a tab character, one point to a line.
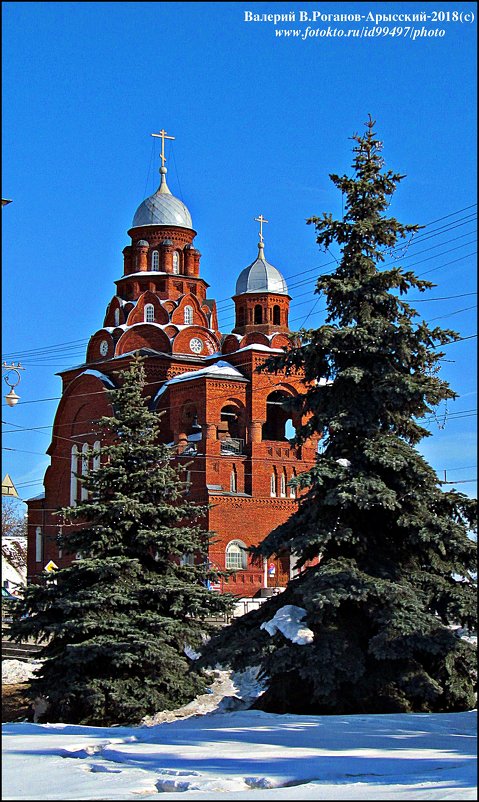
261	276
162	209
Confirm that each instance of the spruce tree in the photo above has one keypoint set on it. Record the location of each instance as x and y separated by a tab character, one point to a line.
395	576
117	620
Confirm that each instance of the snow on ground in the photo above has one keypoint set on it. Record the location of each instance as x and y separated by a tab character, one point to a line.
246	755
203	751
214	748
17	671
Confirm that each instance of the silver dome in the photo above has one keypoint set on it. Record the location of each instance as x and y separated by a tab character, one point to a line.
162	209
260	276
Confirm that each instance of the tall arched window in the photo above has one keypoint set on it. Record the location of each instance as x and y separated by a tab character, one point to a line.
241	316
96	455
176	262
274	483
276	315
117	317
233	480
292	489
188	316
149	313
38	544
258	314
84	469
155	260
73	477
282	489
236	558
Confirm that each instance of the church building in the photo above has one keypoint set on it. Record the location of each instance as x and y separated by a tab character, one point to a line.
220	415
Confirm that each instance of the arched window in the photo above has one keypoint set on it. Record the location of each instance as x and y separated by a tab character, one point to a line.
233	480
176	262
96	455
274	428
241	316
38	544
84	469
282	489
292	489
274	483
117	317
236	558
258	314
155	260
73	477
188	318
149	314
276	315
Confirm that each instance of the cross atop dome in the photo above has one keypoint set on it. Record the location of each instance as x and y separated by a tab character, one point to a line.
163	135
162	208
260	219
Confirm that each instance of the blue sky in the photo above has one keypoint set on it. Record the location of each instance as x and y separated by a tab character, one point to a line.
260	121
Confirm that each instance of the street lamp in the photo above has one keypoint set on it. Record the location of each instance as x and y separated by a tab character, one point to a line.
12	398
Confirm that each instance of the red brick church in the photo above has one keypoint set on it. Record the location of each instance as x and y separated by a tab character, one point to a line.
220	415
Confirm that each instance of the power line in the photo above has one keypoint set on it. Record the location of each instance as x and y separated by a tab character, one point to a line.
72	343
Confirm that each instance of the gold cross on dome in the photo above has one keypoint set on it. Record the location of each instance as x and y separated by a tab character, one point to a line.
163	135
260	219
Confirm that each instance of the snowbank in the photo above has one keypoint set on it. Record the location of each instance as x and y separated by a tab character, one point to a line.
18	671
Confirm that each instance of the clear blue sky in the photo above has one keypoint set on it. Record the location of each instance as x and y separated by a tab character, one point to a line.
260	121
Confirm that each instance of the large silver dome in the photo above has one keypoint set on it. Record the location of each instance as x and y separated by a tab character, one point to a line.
260	276
162	209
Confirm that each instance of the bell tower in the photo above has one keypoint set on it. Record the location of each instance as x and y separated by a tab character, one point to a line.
261	298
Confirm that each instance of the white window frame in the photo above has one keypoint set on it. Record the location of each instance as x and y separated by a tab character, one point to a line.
273	484
282	485
155	260
96	455
176	263
240	561
233	480
38	544
84	469
73	477
188	315
117	317
149	313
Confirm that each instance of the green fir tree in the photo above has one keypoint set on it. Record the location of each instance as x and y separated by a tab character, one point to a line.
396	572
118	619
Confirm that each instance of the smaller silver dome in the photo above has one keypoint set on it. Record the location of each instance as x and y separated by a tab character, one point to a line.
162	209
260	276
142	242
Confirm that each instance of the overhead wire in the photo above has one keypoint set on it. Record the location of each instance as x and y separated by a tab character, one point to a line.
76	343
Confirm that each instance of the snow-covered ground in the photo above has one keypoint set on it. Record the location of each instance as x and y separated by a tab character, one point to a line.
209	750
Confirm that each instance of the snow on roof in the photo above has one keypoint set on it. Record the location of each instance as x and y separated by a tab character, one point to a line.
143	273
259	347
287	620
99	375
220	370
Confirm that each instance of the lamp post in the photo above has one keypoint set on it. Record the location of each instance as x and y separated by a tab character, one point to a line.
12	398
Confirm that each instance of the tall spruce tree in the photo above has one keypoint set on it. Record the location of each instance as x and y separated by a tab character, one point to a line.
118	619
396	570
